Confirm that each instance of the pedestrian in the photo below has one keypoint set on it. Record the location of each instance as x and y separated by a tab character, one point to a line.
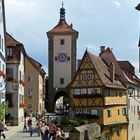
46	133
2	126
38	126
59	133
30	126
52	131
25	125
25	114
37	115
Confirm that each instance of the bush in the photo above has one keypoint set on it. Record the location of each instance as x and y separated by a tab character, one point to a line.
74	122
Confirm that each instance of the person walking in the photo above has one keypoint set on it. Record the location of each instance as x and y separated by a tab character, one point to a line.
25	125
30	126
52	131
2	126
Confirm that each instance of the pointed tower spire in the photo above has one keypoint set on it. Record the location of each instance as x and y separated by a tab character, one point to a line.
62	12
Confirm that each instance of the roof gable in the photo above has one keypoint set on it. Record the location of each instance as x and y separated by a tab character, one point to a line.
102	70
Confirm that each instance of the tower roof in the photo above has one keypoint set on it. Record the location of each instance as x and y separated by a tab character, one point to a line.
62	27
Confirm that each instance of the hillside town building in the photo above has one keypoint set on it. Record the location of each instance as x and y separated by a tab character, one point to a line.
2	52
97	94
15	70
34	96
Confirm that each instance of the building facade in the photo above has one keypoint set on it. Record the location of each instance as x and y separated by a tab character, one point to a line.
34	86
15	79
96	94
2	52
62	52
126	74
133	86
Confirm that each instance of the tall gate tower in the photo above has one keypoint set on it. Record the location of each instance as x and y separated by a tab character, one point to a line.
62	57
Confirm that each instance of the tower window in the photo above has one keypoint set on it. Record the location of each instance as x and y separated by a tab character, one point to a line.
62	41
68	58
61	80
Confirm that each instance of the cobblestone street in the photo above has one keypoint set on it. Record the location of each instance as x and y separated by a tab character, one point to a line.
16	133
19	135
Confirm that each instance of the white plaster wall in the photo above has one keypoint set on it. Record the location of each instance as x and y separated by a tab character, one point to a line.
133	116
2	50
2	81
9	87
21	87
16	93
62	69
2	31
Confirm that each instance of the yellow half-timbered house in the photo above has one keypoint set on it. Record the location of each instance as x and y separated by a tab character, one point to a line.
97	95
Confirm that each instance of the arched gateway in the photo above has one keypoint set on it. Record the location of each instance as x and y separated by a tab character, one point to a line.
62	52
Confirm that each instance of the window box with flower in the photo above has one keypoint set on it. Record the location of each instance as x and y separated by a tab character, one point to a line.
3	74
22	82
23	105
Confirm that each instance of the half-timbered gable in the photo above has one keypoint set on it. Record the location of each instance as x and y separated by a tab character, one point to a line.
97	94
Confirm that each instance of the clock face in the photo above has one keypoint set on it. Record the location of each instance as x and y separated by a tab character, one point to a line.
62	57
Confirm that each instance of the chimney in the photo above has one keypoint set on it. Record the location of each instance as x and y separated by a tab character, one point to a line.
112	72
102	48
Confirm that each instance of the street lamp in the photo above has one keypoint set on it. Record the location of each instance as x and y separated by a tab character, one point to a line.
138	8
130	91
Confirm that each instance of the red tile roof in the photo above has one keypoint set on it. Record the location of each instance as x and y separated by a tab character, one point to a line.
103	71
62	28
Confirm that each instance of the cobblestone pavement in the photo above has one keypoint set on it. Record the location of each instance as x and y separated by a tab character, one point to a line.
16	133
19	135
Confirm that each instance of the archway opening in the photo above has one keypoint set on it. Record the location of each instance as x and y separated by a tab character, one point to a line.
61	103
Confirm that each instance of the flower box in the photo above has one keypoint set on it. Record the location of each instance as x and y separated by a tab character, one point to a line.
22	82
23	105
3	74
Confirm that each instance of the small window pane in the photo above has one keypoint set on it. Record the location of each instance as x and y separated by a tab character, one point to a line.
62	41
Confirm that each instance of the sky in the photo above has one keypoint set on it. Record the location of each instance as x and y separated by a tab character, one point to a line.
110	23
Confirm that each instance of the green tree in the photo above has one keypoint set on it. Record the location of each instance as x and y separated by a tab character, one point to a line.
3	110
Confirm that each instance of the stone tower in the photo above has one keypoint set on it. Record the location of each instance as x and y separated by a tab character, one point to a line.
62	51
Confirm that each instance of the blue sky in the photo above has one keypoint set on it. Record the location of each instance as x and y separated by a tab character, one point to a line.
111	23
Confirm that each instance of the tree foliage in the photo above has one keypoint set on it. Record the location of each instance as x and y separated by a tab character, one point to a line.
3	110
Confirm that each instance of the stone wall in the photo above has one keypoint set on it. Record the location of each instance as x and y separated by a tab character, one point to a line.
85	132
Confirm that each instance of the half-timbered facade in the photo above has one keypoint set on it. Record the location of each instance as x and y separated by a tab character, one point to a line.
97	95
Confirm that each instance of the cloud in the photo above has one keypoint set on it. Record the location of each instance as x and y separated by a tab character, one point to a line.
116	4
20	3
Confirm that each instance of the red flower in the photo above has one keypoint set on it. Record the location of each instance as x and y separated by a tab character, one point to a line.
22	82
23	105
3	74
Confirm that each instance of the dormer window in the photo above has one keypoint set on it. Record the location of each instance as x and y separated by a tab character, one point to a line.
86	59
62	41
9	52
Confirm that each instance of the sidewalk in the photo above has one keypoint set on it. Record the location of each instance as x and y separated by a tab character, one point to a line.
11	130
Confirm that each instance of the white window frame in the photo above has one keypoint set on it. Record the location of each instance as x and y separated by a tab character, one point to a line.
9	51
76	91
94	112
